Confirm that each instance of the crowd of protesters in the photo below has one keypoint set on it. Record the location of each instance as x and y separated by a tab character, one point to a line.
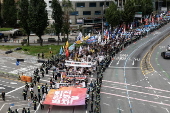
100	56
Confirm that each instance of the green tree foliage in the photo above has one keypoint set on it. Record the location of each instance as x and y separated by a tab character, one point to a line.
24	17
57	15
67	5
1	21
113	15
38	18
129	11
147	7
9	13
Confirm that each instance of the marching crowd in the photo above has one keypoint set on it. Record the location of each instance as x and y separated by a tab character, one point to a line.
98	54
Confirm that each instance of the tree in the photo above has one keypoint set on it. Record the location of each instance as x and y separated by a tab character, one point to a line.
147	7
38	18
57	15
1	21
113	15
9	13
67	5
24	17
129	11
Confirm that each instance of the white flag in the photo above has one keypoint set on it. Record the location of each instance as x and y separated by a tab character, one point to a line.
80	49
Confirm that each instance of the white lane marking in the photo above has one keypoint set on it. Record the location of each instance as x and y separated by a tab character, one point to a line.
138	99
167	110
110	63
120	109
9	103
153	106
15	89
136	86
164	78
106	104
133	63
2	88
168	82
13	83
136	91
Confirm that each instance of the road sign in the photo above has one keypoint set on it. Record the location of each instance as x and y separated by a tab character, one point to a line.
17	63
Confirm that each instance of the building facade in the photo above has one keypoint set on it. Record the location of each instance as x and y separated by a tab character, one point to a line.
86	11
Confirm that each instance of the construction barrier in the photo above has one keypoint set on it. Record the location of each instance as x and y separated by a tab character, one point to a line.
26	78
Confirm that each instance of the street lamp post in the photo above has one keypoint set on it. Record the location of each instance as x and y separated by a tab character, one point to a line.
102	22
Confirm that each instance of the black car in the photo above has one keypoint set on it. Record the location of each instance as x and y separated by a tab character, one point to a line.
166	54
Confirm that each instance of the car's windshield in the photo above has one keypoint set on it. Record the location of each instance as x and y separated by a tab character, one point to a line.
167	53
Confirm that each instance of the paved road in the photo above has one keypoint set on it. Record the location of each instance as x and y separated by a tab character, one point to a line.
126	89
13	87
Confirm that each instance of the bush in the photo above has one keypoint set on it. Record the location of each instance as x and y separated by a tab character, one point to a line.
22	43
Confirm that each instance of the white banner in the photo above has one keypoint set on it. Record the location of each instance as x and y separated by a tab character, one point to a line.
78	64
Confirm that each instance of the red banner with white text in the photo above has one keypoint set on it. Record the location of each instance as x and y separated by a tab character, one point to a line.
66	96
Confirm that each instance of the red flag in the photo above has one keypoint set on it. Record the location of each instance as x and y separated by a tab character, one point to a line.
67	53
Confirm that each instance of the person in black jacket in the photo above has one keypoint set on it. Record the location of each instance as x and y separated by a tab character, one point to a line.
24	110
3	95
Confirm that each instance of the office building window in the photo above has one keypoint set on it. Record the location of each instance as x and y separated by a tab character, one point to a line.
101	4
107	3
86	12
80	4
92	4
97	12
74	13
50	1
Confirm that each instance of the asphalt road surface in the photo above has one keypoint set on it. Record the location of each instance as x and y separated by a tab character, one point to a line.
13	87
126	89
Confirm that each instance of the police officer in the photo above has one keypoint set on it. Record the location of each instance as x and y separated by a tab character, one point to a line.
42	73
91	103
43	89
38	78
35	97
28	110
9	110
35	104
24	110
32	93
24	94
38	87
16	111
46	69
46	87
39	96
3	95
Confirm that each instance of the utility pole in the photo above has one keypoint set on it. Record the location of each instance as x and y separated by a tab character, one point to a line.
102	23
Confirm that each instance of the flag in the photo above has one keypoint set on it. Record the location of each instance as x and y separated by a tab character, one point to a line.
67	53
66	45
79	37
87	37
99	38
72	47
80	49
88	48
61	51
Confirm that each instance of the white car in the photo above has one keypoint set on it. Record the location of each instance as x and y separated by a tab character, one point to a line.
168	48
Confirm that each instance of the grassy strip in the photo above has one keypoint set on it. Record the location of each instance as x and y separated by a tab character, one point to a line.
33	50
5	29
